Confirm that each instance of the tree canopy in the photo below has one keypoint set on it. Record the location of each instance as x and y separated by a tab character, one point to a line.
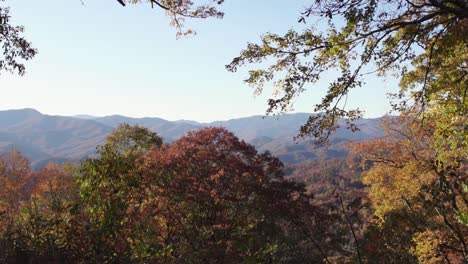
424	43
206	198
410	177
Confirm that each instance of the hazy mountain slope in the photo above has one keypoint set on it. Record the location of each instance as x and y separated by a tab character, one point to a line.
44	138
276	134
253	127
168	130
250	128
266	133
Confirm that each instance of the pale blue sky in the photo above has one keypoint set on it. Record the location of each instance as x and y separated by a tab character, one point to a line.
102	59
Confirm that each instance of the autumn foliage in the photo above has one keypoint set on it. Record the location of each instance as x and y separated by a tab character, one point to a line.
417	191
206	198
209	197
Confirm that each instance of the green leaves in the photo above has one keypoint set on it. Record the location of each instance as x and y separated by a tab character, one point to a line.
107	183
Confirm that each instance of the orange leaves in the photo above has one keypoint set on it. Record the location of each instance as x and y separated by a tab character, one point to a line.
33	205
399	165
55	187
15	183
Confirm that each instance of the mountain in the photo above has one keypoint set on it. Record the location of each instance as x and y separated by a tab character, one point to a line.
266	133
279	139
168	130
85	116
43	138
250	128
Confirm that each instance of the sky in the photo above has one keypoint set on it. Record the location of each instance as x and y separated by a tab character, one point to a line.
102	59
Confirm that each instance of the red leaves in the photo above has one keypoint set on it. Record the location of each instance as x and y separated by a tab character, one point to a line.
211	193
208	198
212	163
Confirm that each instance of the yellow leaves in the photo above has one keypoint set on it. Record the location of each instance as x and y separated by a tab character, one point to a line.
267	49
392	188
427	248
400	166
416	172
439	75
381	185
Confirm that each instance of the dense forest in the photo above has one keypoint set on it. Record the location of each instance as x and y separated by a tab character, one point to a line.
209	197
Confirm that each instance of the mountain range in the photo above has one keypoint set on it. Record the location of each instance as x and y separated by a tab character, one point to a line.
44	138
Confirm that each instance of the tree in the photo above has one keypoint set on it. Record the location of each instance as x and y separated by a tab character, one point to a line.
411	181
211	198
15	189
106	185
208	197
16	183
45	219
15	48
337	188
35	210
127	140
423	42
179	10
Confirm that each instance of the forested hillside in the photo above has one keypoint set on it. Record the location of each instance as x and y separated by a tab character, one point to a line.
44	138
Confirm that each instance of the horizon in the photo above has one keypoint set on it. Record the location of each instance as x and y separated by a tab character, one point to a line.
91	117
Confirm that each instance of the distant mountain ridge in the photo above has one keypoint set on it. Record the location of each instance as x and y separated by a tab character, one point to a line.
43	138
